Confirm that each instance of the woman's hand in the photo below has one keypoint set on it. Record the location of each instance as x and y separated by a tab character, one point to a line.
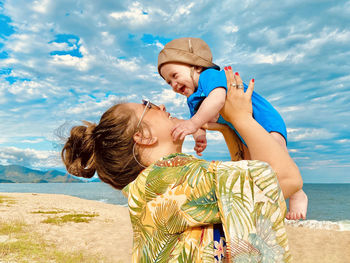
238	104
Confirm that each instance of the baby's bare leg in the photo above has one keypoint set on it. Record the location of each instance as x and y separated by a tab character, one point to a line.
298	201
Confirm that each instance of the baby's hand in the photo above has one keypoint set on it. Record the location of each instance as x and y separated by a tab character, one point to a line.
182	129
201	144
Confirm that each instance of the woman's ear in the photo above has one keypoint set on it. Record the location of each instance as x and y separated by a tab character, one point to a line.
141	139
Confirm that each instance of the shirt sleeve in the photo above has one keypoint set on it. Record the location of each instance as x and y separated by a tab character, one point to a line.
211	79
263	112
267	116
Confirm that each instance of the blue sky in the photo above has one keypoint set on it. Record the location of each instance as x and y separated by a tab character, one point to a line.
65	61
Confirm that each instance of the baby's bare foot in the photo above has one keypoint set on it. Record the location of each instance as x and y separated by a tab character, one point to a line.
297	206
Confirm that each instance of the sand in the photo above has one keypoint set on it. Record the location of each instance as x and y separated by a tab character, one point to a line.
110	233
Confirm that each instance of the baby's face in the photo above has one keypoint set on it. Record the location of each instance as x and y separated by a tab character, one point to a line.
178	76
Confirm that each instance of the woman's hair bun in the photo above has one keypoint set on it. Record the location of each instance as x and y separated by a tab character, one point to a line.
78	152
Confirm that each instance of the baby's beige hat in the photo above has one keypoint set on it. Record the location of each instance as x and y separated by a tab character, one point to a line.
187	50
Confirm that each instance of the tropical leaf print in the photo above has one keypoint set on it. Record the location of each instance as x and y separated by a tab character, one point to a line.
242	251
254	216
169	224
169	219
159	180
174	204
193	173
234	198
265	179
202	206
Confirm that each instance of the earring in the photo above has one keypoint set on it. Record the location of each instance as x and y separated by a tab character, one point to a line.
133	153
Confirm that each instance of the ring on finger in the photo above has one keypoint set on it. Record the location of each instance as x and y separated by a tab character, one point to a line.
240	86
233	85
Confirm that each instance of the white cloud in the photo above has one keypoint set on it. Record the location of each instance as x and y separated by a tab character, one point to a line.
24	90
29	157
184	9
54	46
41	6
3	140
326	163
215	136
290	108
107	38
96	108
299	134
38	140
159	45
128	65
301	158
168	96
343	141
135	15
341	9
82	64
21	43
269	58
8	62
231	29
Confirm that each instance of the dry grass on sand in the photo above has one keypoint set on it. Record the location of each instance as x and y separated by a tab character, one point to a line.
59	228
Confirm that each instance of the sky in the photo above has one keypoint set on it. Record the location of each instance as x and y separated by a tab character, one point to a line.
65	61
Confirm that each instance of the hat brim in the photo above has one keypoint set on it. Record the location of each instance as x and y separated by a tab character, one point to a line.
171	55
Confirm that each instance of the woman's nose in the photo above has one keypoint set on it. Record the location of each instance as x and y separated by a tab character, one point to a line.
162	107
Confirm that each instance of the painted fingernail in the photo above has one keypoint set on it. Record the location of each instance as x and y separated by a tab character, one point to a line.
229	67
253	80
225	68
237	74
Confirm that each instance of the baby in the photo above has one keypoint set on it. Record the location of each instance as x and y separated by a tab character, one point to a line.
186	65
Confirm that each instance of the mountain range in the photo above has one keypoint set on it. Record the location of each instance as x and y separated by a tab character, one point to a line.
21	174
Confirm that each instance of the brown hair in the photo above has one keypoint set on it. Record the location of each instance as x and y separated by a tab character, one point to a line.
105	148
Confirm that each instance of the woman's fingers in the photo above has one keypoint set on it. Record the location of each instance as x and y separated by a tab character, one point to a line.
250	89
229	76
238	79
239	82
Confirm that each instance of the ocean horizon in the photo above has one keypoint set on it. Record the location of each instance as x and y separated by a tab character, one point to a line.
329	204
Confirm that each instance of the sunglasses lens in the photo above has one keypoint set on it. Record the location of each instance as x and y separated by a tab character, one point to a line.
150	104
147	103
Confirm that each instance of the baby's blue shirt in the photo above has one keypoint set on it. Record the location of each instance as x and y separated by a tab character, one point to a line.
263	112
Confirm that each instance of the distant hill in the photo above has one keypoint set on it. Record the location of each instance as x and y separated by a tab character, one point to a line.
21	174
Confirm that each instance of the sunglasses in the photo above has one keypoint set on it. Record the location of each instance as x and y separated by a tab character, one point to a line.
148	105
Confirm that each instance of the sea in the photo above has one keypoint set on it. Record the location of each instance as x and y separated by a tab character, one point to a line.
329	204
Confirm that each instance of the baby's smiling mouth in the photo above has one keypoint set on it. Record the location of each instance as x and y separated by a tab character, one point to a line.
182	90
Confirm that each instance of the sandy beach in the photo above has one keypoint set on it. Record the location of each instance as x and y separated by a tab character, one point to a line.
108	234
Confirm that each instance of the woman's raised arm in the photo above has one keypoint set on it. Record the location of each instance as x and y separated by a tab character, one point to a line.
234	144
238	110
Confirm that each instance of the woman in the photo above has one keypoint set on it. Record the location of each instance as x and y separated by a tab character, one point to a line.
177	199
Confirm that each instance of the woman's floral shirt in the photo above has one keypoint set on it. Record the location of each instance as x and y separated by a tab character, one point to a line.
175	203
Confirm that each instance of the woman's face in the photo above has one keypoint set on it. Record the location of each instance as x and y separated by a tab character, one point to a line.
157	119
